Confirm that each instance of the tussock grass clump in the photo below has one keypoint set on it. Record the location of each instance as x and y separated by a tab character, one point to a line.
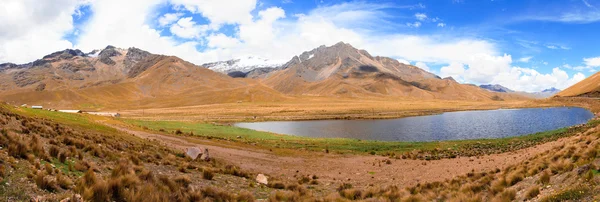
569	194
54	151
544	178
45	182
506	195
532	192
515	178
351	194
284	195
207	174
234	170
276	185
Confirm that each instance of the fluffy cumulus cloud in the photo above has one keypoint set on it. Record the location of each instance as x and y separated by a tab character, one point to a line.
193	30
423	66
486	69
31	28
168	18
186	28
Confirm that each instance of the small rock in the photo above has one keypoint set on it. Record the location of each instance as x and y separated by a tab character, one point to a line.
77	198
205	156
260	178
238	137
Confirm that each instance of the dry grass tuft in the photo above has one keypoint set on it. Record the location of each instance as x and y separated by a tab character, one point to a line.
532	192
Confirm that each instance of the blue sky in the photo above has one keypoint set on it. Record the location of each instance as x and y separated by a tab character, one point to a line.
524	45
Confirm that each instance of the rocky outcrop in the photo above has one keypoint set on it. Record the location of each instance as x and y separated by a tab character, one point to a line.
40	87
109	51
24	78
260	72
83	65
143	65
65	54
133	56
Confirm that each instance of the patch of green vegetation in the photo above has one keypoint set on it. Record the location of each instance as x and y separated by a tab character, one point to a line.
64	167
572	194
82	120
421	150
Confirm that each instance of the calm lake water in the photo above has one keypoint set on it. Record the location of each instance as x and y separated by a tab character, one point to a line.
447	126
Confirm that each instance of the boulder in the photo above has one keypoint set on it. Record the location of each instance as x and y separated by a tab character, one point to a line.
262	179
193	152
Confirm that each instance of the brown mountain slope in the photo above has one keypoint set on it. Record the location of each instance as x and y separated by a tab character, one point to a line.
589	87
342	70
119	78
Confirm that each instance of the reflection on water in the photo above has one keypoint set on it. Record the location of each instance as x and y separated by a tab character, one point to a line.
446	126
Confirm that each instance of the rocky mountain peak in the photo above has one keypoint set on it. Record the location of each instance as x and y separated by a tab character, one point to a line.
106	53
64	54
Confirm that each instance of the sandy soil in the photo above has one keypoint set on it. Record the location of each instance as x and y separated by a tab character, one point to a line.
361	171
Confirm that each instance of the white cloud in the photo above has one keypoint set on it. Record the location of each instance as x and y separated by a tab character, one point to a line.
30	29
186	28
169	18
454	70
403	61
220	12
415	24
222	41
530	80
592	62
551	47
525	59
423	66
441	24
421	16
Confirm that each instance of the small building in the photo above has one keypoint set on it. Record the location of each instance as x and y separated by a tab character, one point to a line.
74	111
36	107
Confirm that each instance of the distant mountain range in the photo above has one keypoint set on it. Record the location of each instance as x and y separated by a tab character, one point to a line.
132	78
249	66
496	88
501	89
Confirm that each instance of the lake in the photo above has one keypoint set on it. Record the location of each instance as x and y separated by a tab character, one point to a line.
447	126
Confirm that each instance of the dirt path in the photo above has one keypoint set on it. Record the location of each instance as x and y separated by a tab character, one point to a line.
355	169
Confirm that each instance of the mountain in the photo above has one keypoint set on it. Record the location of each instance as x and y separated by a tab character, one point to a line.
128	78
536	95
115	78
248	66
342	70
496	88
589	87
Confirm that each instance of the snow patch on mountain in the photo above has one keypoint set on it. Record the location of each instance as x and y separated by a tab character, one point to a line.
243	64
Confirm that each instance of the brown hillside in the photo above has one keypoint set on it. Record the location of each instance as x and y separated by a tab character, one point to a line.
125	79
589	87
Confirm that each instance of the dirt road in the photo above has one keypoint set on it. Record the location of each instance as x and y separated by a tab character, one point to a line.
332	169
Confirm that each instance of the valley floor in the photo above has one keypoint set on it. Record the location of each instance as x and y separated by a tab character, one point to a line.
319	108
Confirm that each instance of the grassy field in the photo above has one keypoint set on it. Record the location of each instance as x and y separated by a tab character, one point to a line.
287	143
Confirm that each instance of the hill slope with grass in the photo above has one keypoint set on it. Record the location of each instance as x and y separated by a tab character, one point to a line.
589	87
